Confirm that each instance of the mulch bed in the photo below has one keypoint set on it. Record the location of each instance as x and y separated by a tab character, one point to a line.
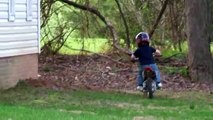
98	73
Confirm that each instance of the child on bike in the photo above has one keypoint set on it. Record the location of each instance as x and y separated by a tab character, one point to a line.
144	54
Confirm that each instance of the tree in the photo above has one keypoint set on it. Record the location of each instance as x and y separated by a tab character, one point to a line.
118	21
200	61
177	21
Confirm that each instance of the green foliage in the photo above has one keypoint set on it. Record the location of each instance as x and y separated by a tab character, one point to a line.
140	16
175	55
169	50
27	103
183	71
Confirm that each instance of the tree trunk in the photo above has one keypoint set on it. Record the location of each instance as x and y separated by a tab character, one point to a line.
198	21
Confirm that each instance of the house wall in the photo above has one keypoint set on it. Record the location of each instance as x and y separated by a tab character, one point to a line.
21	36
13	69
19	43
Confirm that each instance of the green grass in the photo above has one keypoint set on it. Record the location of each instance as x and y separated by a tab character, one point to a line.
27	103
98	45
101	45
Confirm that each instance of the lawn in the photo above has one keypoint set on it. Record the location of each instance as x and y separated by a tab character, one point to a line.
98	45
101	45
28	103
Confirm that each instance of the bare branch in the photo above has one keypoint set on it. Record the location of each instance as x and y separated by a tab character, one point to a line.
125	24
159	18
107	23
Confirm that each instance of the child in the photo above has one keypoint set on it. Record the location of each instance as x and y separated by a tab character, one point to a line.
144	54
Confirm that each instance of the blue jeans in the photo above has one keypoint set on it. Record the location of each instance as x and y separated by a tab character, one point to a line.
140	79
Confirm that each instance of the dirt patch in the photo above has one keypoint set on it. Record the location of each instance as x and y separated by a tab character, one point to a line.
98	73
77	111
124	105
144	118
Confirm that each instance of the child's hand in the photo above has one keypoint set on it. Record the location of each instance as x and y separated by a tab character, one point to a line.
133	58
157	53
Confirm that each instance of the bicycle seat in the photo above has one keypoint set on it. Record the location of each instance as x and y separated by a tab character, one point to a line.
148	68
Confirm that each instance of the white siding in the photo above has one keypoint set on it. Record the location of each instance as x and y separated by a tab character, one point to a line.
19	37
19	15
18	7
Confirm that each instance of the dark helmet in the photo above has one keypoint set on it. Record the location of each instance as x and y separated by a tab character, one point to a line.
143	36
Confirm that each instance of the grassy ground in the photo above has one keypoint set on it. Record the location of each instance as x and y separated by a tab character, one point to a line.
93	45
100	45
27	103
